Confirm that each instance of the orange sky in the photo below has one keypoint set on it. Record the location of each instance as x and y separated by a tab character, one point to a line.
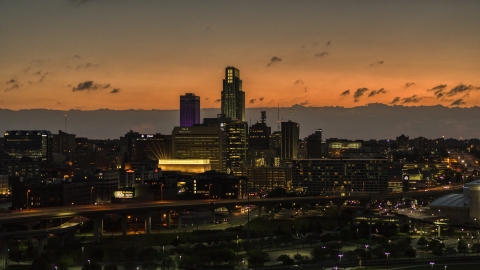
145	55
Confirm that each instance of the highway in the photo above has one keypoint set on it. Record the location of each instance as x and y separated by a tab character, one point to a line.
35	214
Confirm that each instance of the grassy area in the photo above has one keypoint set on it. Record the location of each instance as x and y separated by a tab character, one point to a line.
426	266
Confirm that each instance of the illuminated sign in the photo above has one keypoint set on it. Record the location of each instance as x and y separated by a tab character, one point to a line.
123	194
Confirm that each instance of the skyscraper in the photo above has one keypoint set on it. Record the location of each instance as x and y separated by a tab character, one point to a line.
290	136
189	110
233	98
314	144
35	144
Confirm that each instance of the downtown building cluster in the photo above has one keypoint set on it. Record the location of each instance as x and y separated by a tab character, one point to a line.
215	158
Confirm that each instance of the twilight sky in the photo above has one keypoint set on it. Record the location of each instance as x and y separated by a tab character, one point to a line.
116	54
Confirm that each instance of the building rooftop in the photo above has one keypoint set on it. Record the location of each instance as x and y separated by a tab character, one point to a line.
451	200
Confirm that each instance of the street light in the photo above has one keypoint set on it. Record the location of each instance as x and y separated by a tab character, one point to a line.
340	256
88	263
161	192
209	191
387	253
432	263
28	191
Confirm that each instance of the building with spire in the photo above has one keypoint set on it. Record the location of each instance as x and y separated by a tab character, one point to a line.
233	97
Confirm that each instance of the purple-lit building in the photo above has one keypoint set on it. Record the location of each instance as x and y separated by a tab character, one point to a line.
189	110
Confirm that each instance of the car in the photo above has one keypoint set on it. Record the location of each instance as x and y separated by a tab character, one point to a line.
226	220
293	216
212	203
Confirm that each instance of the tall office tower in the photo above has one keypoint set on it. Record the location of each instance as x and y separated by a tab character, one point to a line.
236	132
35	144
200	142
290	137
314	144
189	110
233	98
64	143
259	134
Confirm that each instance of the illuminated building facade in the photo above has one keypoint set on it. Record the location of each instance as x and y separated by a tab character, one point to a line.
4	184
340	177
233	97
290	137
200	142
236	151
64	143
264	179
185	165
189	110
35	144
106	183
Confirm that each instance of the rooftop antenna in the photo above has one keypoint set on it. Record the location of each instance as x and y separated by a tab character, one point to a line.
65	123
278	118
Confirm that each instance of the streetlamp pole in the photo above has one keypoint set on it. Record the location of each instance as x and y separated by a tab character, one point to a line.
209	191
161	192
91	195
28	191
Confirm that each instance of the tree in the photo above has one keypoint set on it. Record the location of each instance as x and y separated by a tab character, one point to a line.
91	266
319	254
150	265
476	248
257	258
298	257
422	241
110	267
450	251
364	254
130	266
64	262
438	251
167	264
462	246
148	254
410	252
40	264
97	254
16	255
285	259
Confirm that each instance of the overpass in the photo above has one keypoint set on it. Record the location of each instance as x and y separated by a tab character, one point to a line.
148	209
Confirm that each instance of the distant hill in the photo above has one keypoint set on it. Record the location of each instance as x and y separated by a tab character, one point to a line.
374	121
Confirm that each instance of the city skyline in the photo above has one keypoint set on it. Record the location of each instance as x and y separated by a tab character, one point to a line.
120	55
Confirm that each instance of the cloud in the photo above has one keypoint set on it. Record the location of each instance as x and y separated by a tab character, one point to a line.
437	90
90	85
12	80
11	87
461	88
458	102
359	93
274	60
304	103
377	63
299	82
345	93
12	84
77	56
408	84
252	101
305	89
412	99
218	100
380	91
207	98
395	100
321	54
115	90
59	103
261	99
328	43
87	65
